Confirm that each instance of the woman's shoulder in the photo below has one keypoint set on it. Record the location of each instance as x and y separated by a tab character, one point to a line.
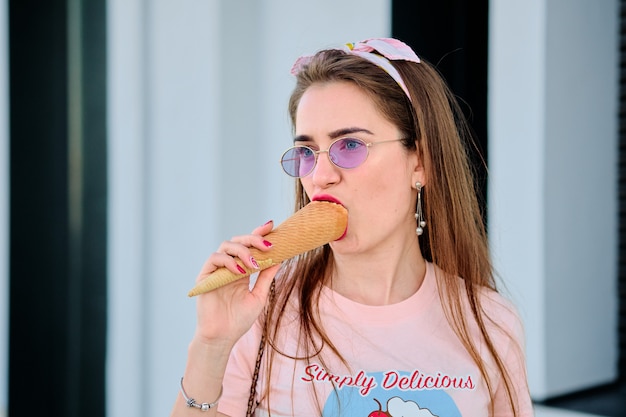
501	312
495	307
496	303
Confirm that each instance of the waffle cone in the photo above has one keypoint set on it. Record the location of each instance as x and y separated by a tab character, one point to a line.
316	224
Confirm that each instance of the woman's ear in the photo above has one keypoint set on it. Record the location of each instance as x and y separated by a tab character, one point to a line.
418	173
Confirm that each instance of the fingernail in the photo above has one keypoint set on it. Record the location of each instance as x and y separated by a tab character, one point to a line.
268	244
241	270
256	265
268	222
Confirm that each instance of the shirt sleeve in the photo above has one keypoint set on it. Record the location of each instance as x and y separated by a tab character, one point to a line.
513	356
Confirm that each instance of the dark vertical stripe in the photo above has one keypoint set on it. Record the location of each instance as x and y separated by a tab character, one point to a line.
38	206
453	35
58	191
93	295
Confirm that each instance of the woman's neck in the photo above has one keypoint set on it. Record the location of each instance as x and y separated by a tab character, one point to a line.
379	278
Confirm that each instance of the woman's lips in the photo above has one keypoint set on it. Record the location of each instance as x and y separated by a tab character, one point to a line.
324	197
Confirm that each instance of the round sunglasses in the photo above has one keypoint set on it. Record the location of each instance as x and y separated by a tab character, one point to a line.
346	153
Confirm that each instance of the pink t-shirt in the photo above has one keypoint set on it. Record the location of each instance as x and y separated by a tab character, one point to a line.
404	359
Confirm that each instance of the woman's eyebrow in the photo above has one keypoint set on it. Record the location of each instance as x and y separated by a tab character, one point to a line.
334	134
303	138
347	131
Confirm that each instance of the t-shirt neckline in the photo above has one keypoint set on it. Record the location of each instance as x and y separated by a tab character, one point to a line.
415	304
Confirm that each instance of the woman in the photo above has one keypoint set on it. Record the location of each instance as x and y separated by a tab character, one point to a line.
401	316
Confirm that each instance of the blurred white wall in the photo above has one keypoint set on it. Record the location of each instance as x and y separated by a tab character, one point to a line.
553	95
197	121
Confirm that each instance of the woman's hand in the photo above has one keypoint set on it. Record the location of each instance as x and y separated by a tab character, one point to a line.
226	313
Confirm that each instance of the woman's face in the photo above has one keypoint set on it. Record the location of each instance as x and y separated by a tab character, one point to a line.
380	193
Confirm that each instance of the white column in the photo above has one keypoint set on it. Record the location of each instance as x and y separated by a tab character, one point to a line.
553	181
126	346
163	127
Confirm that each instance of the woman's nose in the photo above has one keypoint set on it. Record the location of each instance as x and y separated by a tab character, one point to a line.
325	172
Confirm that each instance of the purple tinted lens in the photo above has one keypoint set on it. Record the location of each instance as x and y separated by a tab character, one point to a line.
348	152
298	161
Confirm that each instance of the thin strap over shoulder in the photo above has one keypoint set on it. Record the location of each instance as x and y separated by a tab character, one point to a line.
252	403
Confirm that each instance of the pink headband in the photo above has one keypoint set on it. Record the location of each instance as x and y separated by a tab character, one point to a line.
388	48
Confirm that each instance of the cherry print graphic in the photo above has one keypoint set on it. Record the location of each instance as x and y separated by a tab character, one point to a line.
379	412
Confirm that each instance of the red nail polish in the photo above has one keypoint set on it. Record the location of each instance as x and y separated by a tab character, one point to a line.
268	244
241	270
254	263
268	222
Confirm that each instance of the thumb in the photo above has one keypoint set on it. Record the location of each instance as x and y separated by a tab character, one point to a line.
263	283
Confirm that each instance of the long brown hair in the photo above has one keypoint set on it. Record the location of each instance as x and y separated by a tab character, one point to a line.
455	239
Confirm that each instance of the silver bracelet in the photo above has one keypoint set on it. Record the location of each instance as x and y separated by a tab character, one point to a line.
192	403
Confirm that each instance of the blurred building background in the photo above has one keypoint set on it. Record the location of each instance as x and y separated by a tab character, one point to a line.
137	135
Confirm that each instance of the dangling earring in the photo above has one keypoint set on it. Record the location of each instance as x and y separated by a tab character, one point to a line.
419	215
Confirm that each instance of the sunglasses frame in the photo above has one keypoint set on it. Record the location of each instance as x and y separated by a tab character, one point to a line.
327	150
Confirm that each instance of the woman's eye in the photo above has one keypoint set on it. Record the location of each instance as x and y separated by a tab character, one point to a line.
305	152
351	144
